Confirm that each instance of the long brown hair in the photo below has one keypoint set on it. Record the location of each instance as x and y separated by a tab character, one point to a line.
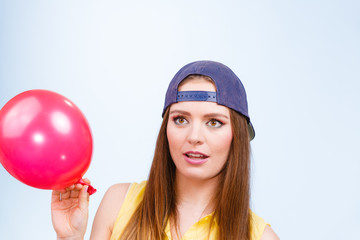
232	211
159	203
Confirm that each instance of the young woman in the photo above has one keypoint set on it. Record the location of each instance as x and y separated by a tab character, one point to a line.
198	186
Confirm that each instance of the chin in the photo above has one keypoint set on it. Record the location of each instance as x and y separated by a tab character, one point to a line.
197	175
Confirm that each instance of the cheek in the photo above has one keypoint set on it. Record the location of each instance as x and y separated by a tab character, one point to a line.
222	143
173	137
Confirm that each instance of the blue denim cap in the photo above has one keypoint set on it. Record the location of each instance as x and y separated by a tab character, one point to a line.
230	92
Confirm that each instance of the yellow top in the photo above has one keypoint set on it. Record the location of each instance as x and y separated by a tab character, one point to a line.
197	231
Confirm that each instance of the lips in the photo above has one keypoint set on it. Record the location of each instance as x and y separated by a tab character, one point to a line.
195	157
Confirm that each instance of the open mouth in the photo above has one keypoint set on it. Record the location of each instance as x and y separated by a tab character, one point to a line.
196	156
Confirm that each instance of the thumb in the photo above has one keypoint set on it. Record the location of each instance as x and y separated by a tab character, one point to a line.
84	198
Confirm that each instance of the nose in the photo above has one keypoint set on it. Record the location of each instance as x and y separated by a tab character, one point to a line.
195	135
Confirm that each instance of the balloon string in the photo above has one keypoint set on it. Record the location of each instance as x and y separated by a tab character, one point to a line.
91	190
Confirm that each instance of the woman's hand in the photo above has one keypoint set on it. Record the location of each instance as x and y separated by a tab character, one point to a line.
69	211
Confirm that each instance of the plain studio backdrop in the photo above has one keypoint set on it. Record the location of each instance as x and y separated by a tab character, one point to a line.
299	62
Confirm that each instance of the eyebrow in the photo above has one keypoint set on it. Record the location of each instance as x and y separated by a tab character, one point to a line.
209	115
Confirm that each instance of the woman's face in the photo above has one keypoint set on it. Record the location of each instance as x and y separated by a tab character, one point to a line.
199	134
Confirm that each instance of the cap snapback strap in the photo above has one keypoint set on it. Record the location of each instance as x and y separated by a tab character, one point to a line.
196	96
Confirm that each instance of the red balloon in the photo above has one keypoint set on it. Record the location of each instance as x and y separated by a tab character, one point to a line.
45	140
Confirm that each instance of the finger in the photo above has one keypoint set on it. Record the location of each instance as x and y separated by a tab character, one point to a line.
84	198
63	190
75	193
87	180
78	186
65	195
55	196
70	187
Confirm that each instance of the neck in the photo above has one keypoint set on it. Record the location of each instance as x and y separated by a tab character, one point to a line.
196	193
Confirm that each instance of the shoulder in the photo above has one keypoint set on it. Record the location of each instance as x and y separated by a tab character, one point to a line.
116	192
115	196
108	209
113	200
260	229
269	234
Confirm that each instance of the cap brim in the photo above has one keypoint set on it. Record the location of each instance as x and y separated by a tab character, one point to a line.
251	131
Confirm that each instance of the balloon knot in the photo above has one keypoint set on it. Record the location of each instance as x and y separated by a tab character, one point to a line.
91	190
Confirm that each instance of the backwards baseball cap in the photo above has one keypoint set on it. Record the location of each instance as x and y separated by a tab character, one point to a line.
230	92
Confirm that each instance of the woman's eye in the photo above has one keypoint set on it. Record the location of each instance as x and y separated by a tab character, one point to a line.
180	121
214	123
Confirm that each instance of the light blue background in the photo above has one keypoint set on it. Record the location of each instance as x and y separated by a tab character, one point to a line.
299	62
